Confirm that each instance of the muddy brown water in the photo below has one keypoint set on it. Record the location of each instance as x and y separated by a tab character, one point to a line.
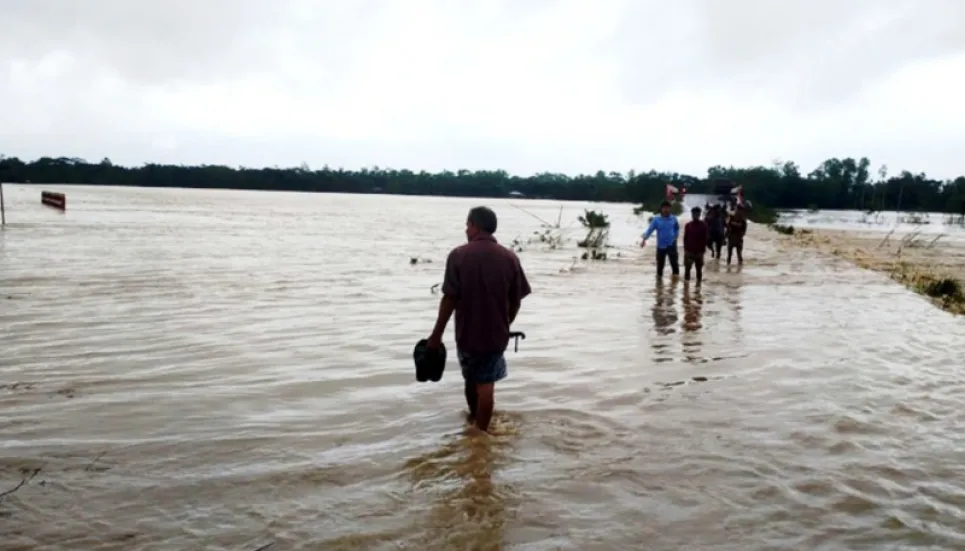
230	370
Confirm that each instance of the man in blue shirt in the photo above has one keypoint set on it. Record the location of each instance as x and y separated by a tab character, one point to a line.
667	228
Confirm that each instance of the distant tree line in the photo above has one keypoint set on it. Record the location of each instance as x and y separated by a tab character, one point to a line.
835	184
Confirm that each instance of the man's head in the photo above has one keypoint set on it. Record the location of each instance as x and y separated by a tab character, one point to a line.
665	208
695	213
481	221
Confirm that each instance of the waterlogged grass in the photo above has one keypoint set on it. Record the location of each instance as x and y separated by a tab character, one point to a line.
943	290
781	228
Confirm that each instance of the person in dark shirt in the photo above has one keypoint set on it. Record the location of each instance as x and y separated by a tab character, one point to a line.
715	223
485	285
736	229
696	237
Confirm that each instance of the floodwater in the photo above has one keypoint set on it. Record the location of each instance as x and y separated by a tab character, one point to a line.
188	369
881	222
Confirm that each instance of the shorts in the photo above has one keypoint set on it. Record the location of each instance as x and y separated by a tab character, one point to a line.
691	258
482	369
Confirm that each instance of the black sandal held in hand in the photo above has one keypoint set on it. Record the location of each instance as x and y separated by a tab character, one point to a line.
430	364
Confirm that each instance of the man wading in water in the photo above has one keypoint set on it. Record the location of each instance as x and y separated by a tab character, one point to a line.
696	236
667	228
736	228
485	285
715	222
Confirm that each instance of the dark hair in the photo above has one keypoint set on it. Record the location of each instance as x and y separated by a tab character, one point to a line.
695	211
665	204
483	218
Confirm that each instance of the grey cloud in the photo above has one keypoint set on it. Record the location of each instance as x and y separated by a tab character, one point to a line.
809	53
148	42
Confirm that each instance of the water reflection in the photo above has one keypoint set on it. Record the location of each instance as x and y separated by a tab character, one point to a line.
468	510
691	339
664	312
731	294
693	303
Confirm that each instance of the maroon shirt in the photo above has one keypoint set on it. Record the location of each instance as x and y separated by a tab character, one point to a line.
696	235
484	278
737	226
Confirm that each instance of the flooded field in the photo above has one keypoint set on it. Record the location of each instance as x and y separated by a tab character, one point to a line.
186	369
926	223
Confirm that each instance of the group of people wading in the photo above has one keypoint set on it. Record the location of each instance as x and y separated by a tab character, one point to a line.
700	235
484	285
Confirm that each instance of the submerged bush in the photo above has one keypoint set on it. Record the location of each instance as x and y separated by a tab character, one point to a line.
760	214
943	287
598	226
947	291
594	219
593	254
780	228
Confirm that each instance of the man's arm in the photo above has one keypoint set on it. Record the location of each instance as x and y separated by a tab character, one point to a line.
704	235
650	229
450	297
447	305
518	290
676	228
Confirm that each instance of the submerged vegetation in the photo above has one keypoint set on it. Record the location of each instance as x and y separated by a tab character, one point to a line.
597	225
551	237
945	291
835	184
760	214
594	220
780	228
913	261
955	220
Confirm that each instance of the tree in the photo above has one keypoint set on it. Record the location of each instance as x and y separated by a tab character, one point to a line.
834	184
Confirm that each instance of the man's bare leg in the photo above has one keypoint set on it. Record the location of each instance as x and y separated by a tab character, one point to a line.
484	405
472	400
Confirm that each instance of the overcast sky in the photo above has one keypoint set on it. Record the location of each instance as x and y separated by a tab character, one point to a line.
525	85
